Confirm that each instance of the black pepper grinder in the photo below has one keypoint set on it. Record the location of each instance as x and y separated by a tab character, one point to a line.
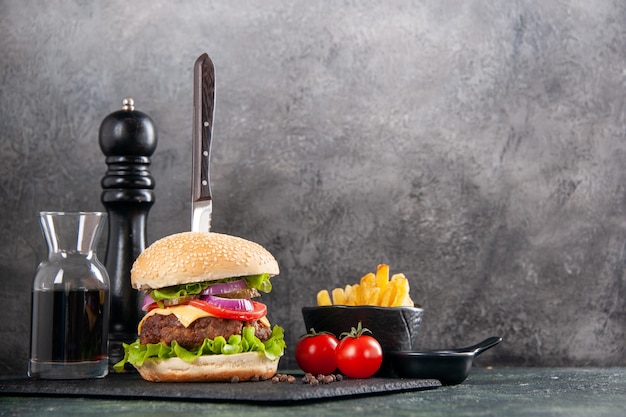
127	138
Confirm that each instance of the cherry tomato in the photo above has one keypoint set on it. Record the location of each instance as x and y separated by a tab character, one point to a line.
358	355
315	353
260	310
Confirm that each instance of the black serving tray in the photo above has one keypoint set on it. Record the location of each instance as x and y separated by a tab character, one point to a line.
131	386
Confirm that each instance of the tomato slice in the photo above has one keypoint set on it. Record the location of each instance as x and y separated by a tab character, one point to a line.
260	310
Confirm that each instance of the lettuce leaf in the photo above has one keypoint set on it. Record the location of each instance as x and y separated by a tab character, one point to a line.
260	282
178	291
273	348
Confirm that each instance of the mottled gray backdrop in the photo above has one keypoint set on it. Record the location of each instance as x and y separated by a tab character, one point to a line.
477	146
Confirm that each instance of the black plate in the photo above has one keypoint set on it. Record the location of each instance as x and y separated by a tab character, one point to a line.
131	386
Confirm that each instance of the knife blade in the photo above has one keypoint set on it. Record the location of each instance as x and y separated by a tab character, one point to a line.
203	110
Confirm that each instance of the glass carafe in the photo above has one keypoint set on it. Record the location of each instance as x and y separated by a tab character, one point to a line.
70	300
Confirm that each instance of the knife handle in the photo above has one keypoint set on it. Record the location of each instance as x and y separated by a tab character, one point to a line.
204	107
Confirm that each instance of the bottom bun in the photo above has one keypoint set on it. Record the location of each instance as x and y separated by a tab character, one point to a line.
210	368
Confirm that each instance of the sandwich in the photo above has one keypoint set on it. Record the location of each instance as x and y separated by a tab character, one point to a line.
202	323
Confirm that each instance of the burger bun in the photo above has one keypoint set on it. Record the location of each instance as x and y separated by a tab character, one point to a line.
190	257
210	368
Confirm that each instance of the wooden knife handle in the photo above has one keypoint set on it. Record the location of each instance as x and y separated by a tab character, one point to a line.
204	108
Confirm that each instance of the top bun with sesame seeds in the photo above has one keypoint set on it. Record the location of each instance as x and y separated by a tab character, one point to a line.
190	257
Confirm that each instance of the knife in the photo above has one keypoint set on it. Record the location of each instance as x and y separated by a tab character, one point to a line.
203	110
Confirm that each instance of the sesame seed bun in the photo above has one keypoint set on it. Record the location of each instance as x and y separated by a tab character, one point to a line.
197	257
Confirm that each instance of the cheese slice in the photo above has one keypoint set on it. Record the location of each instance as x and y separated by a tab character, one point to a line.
186	314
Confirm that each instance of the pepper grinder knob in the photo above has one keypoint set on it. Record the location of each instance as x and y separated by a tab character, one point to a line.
128	132
127	138
128	104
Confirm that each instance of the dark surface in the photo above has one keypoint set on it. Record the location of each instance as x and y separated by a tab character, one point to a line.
131	386
513	392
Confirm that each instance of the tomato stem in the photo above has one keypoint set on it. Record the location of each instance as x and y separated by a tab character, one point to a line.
355	331
313	332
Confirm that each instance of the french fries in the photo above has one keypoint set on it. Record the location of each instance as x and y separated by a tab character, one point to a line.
372	290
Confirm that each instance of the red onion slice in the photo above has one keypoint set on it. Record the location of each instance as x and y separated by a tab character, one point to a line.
237	304
147	301
225	287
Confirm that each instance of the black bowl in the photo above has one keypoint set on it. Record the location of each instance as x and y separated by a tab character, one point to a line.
395	328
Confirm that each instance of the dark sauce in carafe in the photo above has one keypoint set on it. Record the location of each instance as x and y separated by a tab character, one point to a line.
71	325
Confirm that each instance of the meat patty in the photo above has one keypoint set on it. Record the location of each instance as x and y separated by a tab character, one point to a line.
165	329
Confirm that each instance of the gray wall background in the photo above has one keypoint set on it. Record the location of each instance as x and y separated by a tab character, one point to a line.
476	146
